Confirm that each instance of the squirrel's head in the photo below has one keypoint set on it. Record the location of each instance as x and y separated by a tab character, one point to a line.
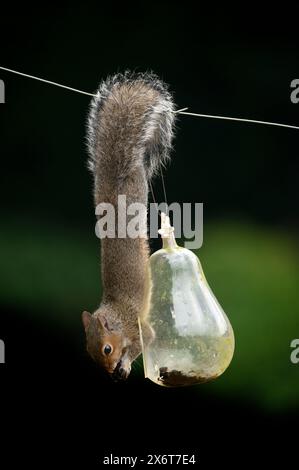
106	344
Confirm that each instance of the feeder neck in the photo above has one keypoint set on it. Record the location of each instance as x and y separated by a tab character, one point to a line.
167	233
169	243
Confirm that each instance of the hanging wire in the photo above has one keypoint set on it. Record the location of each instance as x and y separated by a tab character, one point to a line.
179	111
47	81
153	195
164	190
227	118
182	111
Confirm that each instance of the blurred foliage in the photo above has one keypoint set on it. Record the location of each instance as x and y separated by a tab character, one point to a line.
255	276
254	272
55	274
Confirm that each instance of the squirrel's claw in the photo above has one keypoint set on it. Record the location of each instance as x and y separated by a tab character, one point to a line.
122	370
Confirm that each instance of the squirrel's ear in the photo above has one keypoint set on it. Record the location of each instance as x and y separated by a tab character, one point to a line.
104	324
86	317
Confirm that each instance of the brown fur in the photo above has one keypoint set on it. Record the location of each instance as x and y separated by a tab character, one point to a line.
130	131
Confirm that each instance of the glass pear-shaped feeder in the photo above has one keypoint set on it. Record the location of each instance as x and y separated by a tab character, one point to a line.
185	335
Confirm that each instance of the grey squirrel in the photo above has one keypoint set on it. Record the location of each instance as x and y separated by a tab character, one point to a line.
130	130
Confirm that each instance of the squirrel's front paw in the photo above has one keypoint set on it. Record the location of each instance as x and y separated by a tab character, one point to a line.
122	370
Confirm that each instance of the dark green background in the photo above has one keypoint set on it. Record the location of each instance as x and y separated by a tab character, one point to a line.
246	175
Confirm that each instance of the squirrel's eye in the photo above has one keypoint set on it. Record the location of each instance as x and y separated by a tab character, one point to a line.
107	349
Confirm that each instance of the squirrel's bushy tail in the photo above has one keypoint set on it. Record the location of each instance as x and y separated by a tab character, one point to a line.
130	125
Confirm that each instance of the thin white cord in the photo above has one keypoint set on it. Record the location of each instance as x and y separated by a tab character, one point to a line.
179	111
47	81
238	119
